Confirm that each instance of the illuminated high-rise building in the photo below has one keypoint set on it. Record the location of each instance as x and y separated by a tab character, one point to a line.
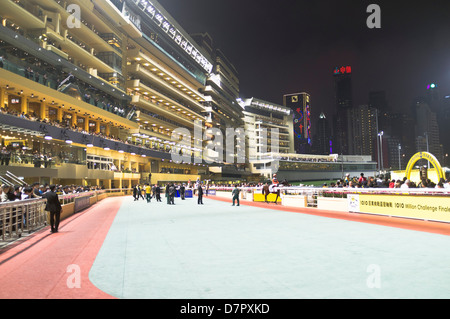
344	103
323	143
300	104
364	130
426	129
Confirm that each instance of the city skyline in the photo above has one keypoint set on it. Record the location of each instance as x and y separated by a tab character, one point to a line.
294	47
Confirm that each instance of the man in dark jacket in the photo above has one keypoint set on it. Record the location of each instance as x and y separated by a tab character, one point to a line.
200	194
235	194
182	191
135	193
172	192
54	207
167	193
158	193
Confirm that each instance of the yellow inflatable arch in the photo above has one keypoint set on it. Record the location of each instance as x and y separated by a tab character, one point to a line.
428	156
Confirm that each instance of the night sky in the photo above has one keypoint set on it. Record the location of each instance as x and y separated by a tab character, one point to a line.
289	46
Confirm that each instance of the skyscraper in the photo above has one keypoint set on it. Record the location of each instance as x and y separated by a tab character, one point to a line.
443	120
364	130
426	129
377	99
300	105
323	144
344	103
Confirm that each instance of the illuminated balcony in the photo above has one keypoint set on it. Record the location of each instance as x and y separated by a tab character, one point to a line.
176	88
79	52
156	107
116	15
21	13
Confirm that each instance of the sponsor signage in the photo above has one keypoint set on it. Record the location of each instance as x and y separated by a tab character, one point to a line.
81	203
435	208
168	27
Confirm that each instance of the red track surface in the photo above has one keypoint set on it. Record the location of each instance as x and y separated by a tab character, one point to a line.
37	268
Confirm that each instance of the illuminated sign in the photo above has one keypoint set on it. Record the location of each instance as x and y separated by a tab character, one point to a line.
343	70
302	117
270	107
164	24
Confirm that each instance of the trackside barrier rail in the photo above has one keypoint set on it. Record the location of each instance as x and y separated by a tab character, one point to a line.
20	216
312	194
29	215
342	192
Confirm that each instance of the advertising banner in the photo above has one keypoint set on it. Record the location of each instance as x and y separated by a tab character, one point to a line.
435	208
261	198
81	203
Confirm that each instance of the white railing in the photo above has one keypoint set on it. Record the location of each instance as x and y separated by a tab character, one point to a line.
312	195
20	216
299	190
29	215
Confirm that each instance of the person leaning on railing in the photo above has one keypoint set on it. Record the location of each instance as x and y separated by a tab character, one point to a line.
7	194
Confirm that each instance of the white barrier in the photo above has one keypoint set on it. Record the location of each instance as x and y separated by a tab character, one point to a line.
418	203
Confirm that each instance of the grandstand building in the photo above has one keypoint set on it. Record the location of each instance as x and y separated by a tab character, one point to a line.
91	91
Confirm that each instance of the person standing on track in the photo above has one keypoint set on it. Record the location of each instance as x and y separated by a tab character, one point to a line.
135	193
200	194
140	192
54	207
172	192
148	193
235	194
182	191
158	193
167	193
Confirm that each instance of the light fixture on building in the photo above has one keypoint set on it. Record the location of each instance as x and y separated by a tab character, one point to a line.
66	136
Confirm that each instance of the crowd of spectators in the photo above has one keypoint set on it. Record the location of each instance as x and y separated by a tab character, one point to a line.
32	116
380	182
37	71
10	193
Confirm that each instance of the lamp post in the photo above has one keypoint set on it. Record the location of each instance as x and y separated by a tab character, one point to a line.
399	158
428	148
381	150
378	143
